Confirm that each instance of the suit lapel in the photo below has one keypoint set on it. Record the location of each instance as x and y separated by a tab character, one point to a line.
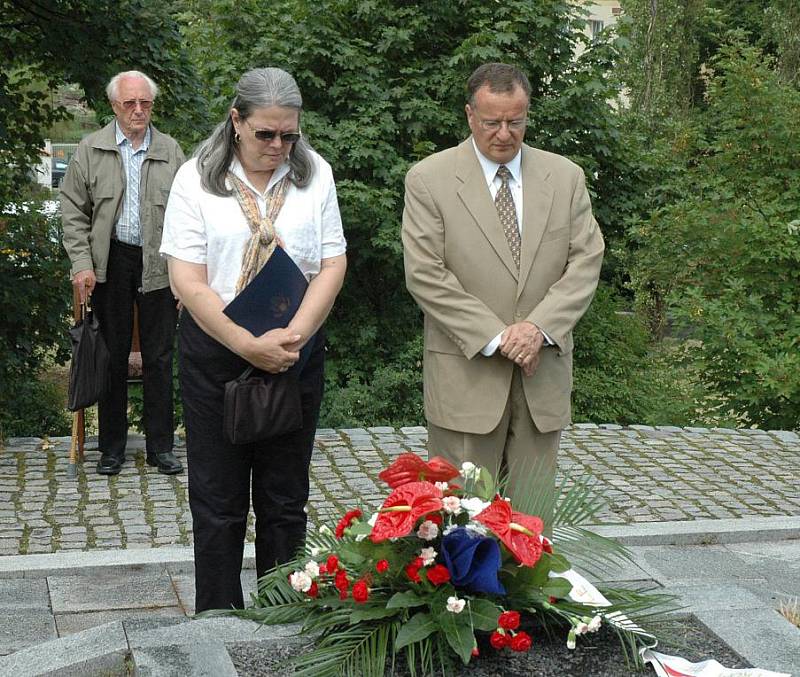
537	199
474	193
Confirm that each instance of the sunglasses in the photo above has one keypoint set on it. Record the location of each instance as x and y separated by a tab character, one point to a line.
130	104
269	134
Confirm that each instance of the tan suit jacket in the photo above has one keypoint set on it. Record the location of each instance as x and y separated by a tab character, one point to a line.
460	271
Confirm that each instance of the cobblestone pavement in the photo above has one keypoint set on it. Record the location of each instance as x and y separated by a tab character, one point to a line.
648	475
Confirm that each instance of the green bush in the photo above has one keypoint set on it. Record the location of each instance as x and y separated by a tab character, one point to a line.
618	379
725	253
35	296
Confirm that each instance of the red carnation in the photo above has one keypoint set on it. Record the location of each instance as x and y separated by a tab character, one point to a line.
412	570
403	507
332	564
435	517
509	620
346	521
313	591
360	591
340	582
323	569
475	652
343	595
438	574
498	640
411	468
521	641
520	533
382	566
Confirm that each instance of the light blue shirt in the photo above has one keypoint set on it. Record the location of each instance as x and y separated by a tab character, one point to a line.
128	227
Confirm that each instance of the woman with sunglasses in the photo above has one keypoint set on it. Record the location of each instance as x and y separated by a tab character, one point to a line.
254	183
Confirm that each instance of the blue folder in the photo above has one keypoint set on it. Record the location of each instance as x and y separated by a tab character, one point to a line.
271	299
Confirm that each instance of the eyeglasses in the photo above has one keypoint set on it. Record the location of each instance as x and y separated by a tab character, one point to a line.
130	104
495	125
269	134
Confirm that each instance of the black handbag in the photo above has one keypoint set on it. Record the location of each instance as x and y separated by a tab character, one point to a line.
262	406
88	372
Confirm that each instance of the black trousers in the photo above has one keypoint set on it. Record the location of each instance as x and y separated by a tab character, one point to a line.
113	302
221	473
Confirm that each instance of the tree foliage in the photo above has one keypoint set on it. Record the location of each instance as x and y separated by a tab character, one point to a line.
725	254
44	43
384	86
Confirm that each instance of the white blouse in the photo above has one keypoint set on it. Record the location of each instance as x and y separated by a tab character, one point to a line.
203	228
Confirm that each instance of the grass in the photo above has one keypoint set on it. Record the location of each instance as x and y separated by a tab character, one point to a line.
790	610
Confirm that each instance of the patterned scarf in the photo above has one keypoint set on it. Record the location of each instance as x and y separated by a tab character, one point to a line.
262	239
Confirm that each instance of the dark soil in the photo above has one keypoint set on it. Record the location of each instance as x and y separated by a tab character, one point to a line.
597	655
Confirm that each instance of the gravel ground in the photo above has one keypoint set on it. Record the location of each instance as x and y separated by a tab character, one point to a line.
598	655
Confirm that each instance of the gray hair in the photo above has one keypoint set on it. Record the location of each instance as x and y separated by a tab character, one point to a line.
257	88
112	88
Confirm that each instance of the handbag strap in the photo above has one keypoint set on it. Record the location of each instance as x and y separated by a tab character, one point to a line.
246	373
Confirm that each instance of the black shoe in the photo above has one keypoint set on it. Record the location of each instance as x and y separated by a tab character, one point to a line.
110	464
167	462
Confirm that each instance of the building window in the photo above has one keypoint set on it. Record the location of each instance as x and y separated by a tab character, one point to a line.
595	26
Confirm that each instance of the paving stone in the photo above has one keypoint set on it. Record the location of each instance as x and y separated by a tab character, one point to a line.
23	593
69	624
209	659
99	651
23	627
106	591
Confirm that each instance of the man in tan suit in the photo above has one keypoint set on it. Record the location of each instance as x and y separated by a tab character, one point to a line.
503	255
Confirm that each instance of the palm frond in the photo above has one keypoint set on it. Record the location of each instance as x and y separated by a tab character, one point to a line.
353	651
597	555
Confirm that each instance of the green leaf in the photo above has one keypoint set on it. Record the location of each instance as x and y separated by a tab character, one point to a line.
557	587
484	614
419	627
371	613
404	600
558	563
360	529
458	633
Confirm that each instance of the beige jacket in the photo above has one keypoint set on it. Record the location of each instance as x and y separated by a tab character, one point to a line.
91	201
460	271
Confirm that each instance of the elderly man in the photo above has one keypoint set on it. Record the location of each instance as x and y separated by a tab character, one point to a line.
112	201
503	256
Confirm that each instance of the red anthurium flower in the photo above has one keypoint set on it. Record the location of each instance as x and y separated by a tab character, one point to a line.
547	546
382	566
403	507
436	518
346	521
519	532
360	591
521	641
509	620
411	468
438	574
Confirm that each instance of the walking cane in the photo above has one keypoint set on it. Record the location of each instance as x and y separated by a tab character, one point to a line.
78	421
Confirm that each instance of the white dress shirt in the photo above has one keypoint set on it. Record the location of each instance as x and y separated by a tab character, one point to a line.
203	228
490	168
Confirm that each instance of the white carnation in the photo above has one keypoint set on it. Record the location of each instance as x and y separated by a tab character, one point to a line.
312	569
455	605
474	506
428	530
428	556
451	504
300	581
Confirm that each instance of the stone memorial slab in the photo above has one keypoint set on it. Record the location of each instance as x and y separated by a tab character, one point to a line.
99	651
69	624
23	593
209	659
21	628
107	591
